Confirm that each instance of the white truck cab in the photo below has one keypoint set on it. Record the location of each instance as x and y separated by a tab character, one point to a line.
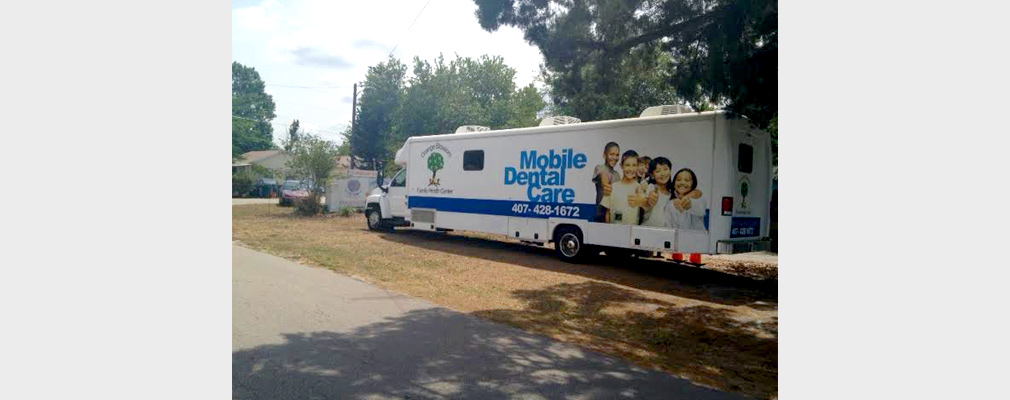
386	206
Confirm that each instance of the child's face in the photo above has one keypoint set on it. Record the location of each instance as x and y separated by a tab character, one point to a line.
643	168
683	183
612	154
661	174
630	168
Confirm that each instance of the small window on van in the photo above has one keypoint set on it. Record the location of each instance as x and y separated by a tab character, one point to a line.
745	158
400	179
473	160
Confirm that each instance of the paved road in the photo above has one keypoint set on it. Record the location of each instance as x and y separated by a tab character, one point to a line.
241	201
308	333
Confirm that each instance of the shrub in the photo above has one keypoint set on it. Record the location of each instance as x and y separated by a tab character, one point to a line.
345	211
308	206
242	183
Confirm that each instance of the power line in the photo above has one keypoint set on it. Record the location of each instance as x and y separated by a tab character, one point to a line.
287	125
307	87
411	26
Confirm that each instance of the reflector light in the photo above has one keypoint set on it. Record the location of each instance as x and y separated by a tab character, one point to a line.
727	206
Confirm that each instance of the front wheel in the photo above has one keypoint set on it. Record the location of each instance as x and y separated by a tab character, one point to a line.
373	217
568	244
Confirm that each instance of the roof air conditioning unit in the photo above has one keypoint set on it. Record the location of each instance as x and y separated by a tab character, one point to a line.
472	128
559	120
666	110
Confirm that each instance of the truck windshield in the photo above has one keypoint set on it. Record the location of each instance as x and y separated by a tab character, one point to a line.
400	179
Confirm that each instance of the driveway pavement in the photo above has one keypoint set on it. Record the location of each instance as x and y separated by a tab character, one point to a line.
308	333
241	201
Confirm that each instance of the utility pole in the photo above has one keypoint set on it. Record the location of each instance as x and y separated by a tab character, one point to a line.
354	112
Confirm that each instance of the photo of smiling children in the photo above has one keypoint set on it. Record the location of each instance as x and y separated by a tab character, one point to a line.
659	194
644	181
643	168
685	209
603	177
626	195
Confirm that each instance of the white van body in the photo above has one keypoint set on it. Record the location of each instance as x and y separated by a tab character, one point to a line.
526	183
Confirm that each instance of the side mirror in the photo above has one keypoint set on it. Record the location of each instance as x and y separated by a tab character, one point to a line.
385	189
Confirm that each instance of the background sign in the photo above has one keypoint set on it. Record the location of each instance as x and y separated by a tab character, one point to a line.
349	192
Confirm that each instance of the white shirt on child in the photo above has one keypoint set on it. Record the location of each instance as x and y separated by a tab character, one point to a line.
692	218
619	203
657	216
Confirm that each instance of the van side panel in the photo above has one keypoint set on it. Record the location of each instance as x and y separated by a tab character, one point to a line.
507	183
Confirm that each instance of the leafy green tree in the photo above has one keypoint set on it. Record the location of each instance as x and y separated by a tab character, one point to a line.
313	160
252	110
440	96
292	139
378	112
599	54
345	145
526	104
443	95
242	182
435	163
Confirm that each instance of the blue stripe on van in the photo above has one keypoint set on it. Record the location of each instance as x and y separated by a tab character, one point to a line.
510	208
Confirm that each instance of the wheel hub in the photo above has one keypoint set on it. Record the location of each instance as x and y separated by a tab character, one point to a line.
569	245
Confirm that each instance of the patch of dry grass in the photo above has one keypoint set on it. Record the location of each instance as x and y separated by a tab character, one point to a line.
714	328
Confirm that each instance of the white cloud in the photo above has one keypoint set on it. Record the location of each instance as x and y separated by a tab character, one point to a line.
300	43
262	17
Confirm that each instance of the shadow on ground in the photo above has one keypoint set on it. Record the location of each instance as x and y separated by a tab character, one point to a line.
646	274
702	343
435	354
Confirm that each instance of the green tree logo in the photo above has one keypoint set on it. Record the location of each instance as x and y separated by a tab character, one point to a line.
744	188
435	163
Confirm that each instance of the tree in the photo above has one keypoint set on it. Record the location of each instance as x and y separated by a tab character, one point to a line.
527	103
292	139
435	163
242	182
313	160
440	96
252	110
378	112
345	144
445	95
707	52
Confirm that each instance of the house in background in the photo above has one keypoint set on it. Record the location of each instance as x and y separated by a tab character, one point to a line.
275	160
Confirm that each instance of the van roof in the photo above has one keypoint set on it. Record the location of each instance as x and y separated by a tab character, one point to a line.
570	127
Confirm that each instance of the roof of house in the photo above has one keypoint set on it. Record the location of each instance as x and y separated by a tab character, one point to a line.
343	161
258	155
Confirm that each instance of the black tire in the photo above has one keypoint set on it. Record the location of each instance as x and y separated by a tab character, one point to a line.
568	244
373	218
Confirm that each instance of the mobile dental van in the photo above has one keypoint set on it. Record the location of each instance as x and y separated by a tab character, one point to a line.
669	181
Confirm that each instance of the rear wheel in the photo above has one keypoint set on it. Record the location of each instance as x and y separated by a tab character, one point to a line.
568	244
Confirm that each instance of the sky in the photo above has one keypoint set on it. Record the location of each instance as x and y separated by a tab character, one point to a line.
310	53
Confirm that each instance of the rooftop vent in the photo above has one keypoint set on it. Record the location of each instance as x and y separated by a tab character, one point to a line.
666	110
559	120
472	128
